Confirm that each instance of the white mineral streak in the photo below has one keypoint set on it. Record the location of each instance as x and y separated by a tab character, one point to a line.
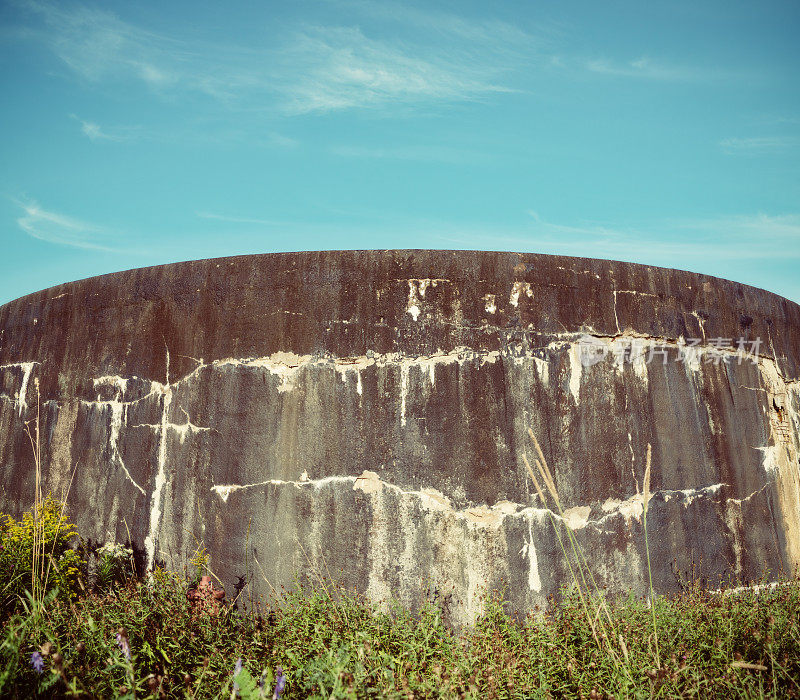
575	370
403	392
542	368
381	540
735	523
688	496
631	508
692	355
759	588
577	518
287	365
416	292
755	493
182	430
119	383
483	516
528	550
119	415
633	461
225	490
26	368
491	303
469	552
616	318
771	461
355	364
639	364
408	558
161	476
782	451
517	289
283	365
701	322
187	428
368	482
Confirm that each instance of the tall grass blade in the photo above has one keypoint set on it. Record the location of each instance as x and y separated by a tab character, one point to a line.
646	497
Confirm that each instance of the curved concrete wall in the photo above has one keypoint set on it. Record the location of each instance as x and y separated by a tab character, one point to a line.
364	414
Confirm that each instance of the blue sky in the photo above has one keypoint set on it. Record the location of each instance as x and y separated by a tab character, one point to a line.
136	134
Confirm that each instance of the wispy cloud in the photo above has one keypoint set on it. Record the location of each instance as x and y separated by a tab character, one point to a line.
485	30
676	243
97	45
302	69
647	69
63	230
758	145
431	154
332	68
95	132
238	219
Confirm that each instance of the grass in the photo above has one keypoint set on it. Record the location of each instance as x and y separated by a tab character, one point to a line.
332	643
116	635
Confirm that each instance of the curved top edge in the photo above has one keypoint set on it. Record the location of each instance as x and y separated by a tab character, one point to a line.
402	251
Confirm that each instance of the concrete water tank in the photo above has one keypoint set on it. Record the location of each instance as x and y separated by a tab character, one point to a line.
364	414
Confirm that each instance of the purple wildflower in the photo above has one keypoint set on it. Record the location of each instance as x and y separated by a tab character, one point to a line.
122	643
236	671
37	662
280	683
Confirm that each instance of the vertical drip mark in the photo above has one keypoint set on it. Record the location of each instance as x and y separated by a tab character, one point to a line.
119	416
534	580
161	477
633	462
774	354
575	370
27	367
701	323
616	318
404	367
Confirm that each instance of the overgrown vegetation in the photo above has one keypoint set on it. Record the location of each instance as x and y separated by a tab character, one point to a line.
118	636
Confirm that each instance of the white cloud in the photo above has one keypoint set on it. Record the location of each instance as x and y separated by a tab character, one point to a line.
95	132
330	68
432	154
486	29
758	145
301	70
275	139
61	229
238	219
671	242
647	69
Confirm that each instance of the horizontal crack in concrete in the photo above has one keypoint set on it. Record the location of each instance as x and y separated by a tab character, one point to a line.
575	517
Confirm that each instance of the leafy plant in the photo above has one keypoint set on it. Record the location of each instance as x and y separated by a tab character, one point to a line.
35	554
114	565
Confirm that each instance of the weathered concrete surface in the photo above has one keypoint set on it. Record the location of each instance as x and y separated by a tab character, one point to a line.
365	414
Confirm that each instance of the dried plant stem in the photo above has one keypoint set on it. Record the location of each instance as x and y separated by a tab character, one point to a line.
37	554
560	541
580	559
646	499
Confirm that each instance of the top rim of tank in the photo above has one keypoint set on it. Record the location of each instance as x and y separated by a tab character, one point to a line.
434	251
